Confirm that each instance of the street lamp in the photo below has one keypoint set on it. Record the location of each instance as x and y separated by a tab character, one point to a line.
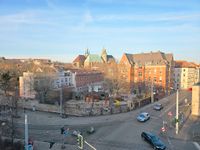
61	101
152	92
177	119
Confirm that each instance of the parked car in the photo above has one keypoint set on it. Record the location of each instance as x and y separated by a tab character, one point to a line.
157	106
153	140
144	116
91	130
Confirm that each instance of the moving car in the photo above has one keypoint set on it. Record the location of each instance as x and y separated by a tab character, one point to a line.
153	140
157	106
144	116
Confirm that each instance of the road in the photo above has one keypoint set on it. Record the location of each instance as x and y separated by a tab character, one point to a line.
117	132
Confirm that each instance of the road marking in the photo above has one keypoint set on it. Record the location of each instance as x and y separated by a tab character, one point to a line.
170	143
169	108
154	117
196	145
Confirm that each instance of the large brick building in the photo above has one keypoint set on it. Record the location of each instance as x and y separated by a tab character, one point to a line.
140	71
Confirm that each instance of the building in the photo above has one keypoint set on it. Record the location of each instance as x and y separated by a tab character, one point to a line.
141	71
26	85
87	81
79	61
196	99
74	79
104	63
186	74
63	78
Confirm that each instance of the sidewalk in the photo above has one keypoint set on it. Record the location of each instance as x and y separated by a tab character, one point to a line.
38	145
186	132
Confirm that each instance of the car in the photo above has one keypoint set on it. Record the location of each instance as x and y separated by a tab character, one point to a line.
90	130
157	106
153	140
144	116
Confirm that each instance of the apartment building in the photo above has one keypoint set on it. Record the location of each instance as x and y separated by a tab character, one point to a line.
140	71
87	81
26	85
185	75
76	80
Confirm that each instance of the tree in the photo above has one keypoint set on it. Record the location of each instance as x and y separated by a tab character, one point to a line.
10	83
5	79
43	85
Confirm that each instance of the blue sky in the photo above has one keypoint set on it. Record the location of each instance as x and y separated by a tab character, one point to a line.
62	29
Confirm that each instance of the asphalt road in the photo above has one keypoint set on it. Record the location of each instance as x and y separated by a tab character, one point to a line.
121	133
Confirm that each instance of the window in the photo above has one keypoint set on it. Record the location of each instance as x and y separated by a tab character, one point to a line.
140	74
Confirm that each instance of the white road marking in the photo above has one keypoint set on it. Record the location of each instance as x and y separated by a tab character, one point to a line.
168	108
170	143
196	145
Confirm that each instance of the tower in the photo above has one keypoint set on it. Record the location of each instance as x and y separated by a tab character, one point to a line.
104	55
87	52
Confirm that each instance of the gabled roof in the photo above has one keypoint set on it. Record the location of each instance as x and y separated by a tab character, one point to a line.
110	58
185	64
79	58
152	58
94	58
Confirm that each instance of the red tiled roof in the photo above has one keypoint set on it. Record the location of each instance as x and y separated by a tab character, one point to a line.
79	58
185	64
153	58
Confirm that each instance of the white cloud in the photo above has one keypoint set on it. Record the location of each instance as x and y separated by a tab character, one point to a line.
146	17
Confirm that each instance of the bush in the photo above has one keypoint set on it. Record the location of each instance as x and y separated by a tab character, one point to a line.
7	145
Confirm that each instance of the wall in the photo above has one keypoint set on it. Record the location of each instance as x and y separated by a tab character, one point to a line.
196	100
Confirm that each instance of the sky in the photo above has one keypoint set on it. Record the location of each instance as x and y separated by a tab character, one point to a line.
62	29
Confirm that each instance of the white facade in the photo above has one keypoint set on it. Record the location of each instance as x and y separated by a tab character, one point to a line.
85	82
26	85
63	78
184	78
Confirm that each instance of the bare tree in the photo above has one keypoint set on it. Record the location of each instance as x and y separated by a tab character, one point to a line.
43	85
5	79
9	82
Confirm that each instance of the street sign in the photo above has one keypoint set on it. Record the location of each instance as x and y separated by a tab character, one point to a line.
163	129
170	113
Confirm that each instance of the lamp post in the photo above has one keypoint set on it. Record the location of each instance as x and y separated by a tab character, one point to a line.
177	122
61	101
152	93
26	132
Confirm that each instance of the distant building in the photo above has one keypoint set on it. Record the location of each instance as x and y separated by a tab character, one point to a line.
87	81
186	74
76	80
196	99
79	61
104	63
140	71
26	85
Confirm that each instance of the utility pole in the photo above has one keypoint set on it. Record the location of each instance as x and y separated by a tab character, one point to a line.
26	132
152	95
61	101
177	119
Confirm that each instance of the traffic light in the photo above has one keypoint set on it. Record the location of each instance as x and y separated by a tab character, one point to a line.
62	130
80	141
